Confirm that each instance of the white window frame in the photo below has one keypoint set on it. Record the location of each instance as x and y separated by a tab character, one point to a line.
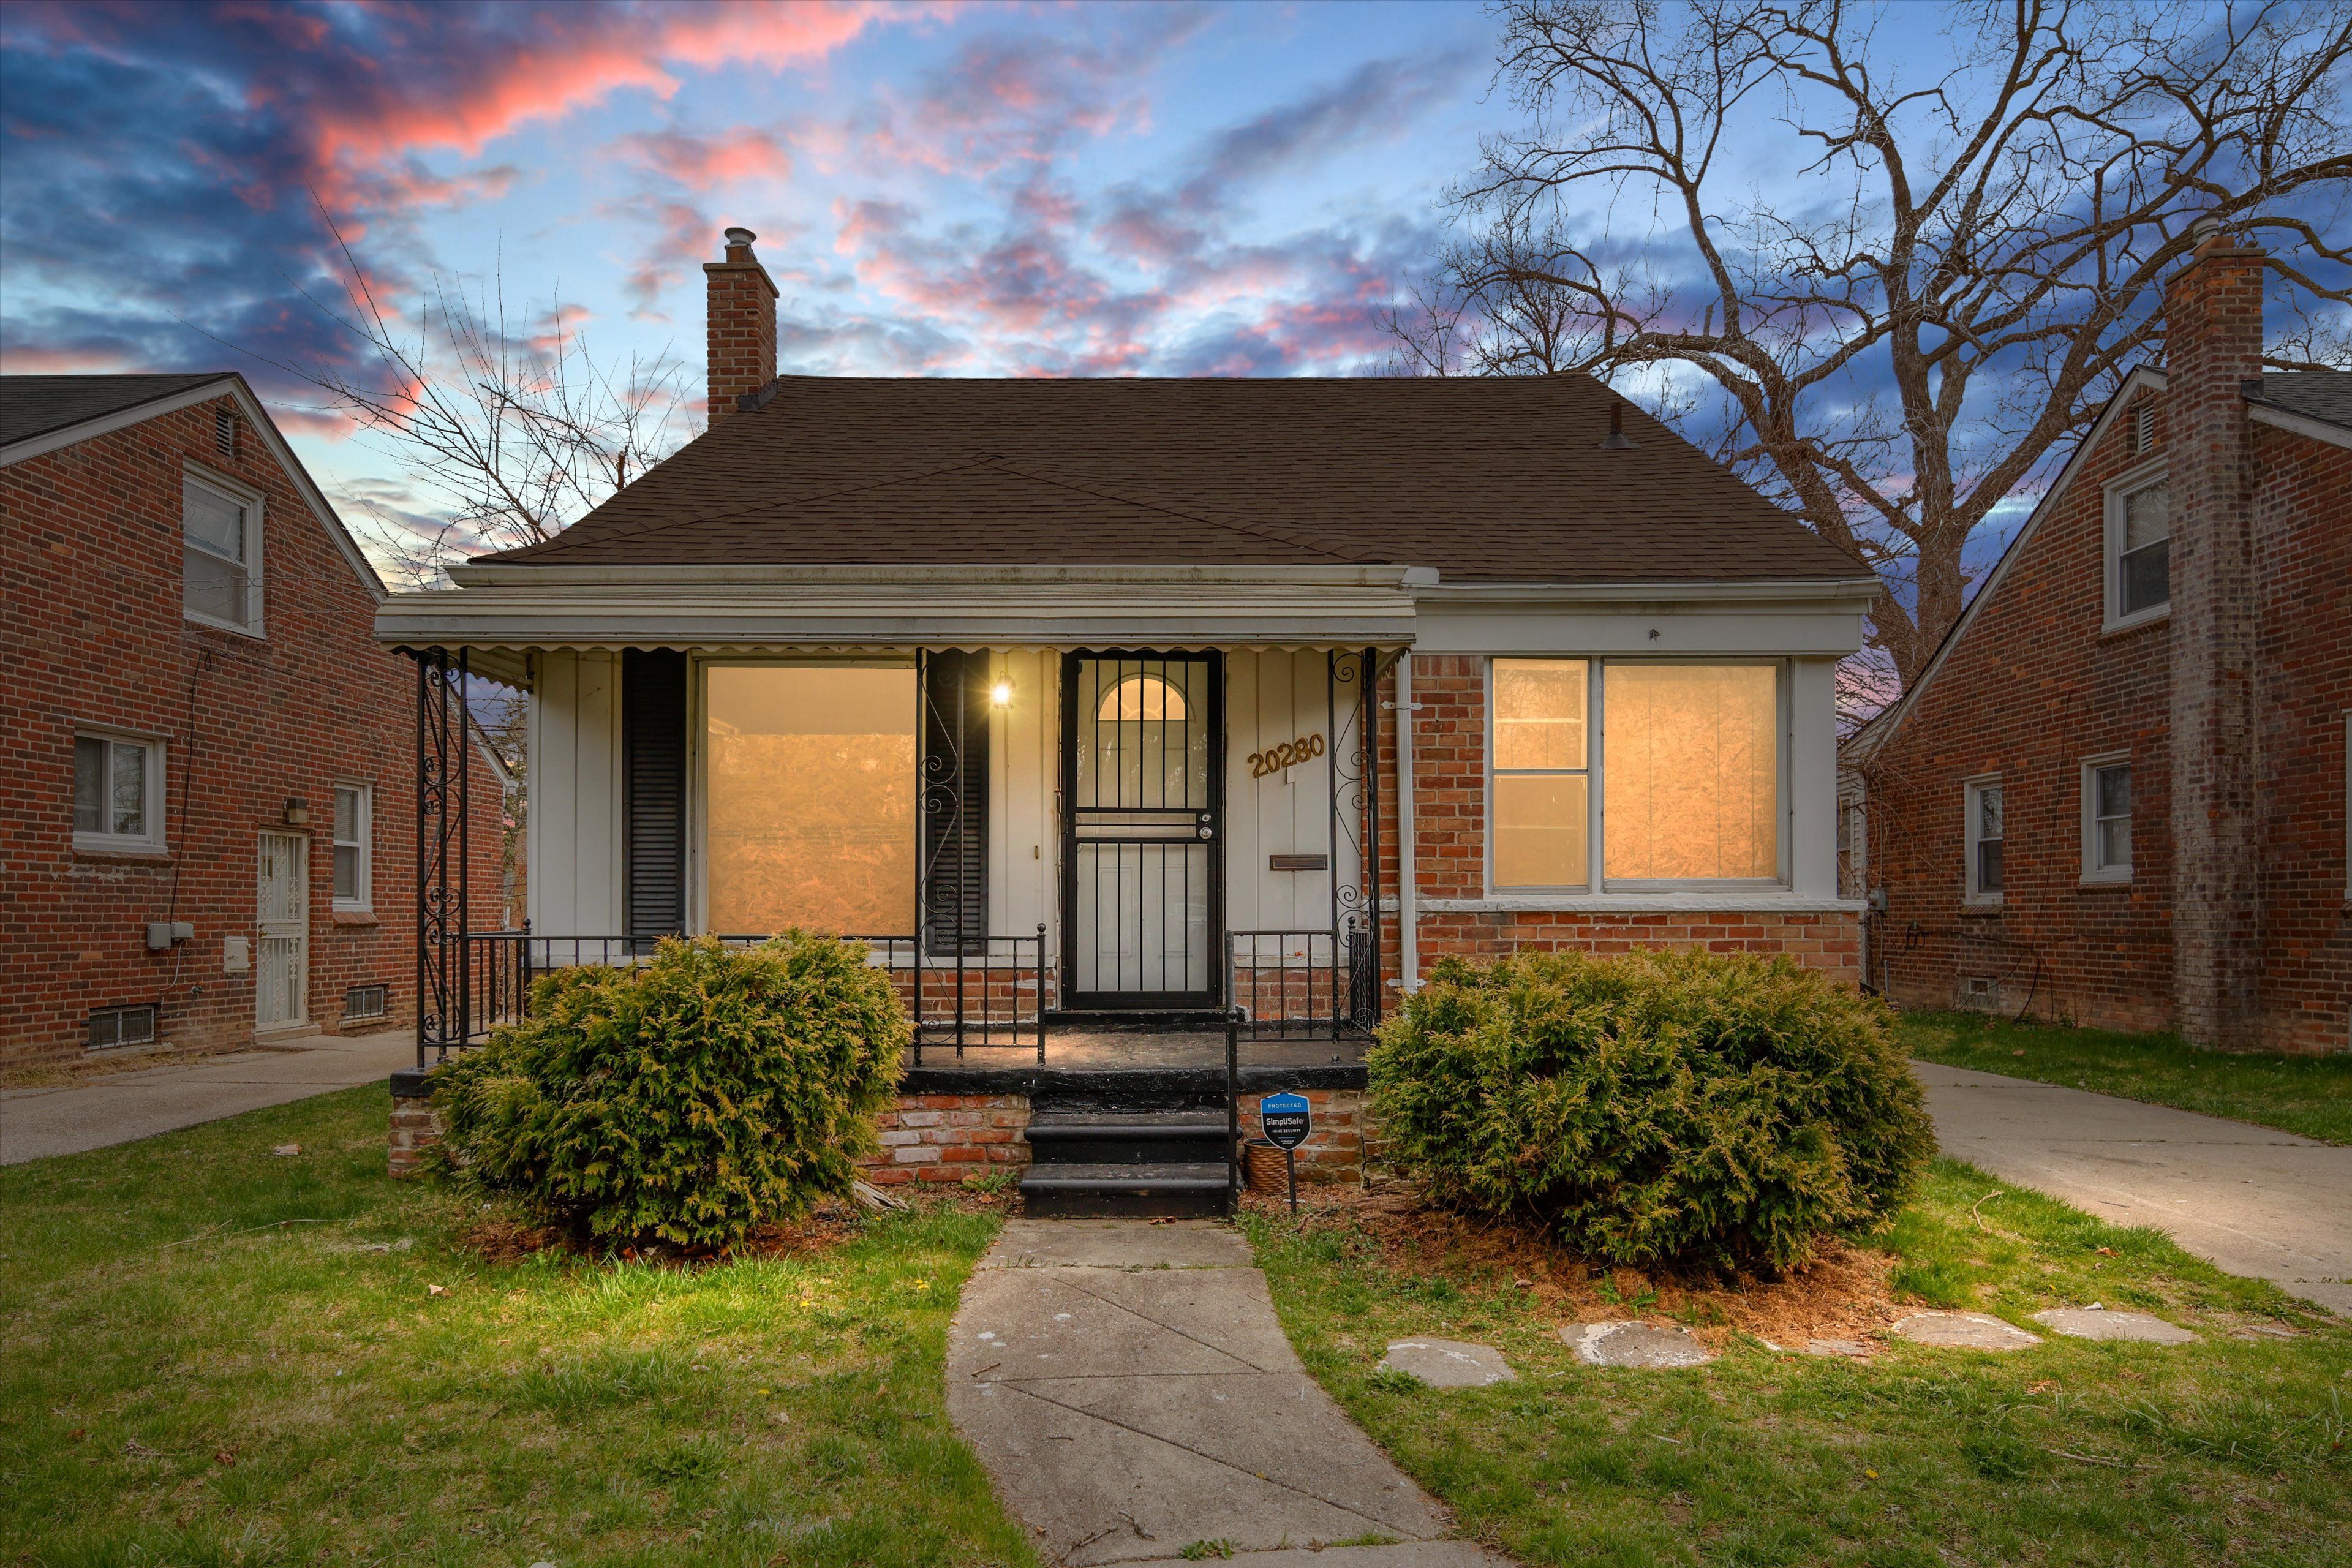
2095	874
2114	619
244	496
1597	882
1972	895
151	842
365	902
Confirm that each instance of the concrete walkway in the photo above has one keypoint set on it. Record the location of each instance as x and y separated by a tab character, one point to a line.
2247	1199
36	1123
1130	1389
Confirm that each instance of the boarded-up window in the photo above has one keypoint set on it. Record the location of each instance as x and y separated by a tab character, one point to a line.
808	798
1690	772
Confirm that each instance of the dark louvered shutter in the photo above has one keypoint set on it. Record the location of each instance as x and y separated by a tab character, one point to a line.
955	801
652	749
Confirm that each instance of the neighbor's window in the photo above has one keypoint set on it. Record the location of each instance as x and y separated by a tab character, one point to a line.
1543	831
220	529
354	836
1985	836
808	798
2139	549
118	792
1690	772
2106	821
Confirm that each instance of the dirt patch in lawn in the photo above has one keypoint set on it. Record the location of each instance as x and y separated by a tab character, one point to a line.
1843	1294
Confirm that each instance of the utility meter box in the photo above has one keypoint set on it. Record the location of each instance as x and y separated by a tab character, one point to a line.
236	954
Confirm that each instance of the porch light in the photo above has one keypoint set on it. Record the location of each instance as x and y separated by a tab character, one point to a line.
1000	694
298	811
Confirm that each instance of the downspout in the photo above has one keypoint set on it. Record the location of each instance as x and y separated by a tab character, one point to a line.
1407	841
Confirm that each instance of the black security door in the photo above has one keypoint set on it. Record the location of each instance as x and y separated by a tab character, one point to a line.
1142	777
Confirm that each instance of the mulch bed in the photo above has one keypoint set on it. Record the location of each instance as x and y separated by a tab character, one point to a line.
1841	1294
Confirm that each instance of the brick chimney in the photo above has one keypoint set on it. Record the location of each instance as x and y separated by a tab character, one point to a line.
742	322
2212	345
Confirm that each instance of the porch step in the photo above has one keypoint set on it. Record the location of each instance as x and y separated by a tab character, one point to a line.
1184	1189
1127	1137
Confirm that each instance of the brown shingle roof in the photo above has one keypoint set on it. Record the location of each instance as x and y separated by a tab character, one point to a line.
1484	479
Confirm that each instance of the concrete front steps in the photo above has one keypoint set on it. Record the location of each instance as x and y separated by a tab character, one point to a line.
1126	1165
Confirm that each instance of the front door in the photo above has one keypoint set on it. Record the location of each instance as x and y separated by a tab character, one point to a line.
1142	781
281	979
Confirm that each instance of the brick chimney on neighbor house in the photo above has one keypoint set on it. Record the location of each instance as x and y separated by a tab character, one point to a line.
741	323
2213	346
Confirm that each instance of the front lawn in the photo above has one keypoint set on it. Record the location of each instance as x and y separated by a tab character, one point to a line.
2310	1095
2236	1449
211	1354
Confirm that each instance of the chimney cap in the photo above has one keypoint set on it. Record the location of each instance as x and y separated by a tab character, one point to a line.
736	237
2204	226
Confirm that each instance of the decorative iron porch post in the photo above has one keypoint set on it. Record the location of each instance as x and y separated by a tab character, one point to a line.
444	818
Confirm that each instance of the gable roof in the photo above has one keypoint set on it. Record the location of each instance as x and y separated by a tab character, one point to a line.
1493	480
34	405
2320	396
40	413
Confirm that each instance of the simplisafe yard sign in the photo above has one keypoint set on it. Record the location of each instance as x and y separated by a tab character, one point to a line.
1285	1119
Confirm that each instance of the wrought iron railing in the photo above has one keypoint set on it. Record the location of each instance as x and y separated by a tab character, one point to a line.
992	994
1302	984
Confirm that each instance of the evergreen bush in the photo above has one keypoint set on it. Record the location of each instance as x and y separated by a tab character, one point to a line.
1680	1108
691	1097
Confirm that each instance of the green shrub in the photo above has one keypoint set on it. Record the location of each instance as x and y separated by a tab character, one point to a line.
1676	1108
692	1097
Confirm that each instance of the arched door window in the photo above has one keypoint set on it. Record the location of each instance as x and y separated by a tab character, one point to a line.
1149	697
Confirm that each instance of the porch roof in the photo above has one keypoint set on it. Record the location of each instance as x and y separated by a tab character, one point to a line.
502	609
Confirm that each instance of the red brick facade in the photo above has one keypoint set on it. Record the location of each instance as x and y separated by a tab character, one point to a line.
740	325
90	544
2231	709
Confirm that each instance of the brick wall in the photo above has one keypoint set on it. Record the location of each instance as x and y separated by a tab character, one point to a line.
943	1138
1337	1131
90	555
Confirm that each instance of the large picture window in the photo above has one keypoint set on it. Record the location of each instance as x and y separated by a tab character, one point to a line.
808	798
1690	774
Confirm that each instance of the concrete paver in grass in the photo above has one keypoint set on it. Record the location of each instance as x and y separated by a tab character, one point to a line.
94	1113
1963	1332
1132	1393
2099	1323
2255	1201
1449	1363
1636	1344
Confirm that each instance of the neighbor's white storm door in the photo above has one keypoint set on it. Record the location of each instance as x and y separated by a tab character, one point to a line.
281	982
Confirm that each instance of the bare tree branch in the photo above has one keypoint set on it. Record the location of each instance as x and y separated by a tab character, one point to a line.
1970	258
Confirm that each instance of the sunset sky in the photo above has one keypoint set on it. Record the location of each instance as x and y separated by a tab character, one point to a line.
937	189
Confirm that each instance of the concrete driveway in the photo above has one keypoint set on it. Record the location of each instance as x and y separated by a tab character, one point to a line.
36	1123
2244	1199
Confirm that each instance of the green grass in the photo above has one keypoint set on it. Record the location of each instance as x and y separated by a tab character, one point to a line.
210	1355
2234	1450
2310	1095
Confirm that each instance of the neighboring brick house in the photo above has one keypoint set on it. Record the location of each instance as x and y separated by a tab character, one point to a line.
2116	795
205	732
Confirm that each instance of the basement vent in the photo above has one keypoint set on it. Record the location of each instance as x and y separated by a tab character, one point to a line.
367	1002
112	1027
1976	991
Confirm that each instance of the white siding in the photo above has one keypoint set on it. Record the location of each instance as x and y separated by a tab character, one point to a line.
1024	837
575	878
1272	697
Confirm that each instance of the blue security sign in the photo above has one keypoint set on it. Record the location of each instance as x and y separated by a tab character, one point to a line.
1286	1120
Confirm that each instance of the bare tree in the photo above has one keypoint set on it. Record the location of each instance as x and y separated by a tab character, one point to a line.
1966	256
505	431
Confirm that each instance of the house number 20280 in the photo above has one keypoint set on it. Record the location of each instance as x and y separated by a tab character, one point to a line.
1288	754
